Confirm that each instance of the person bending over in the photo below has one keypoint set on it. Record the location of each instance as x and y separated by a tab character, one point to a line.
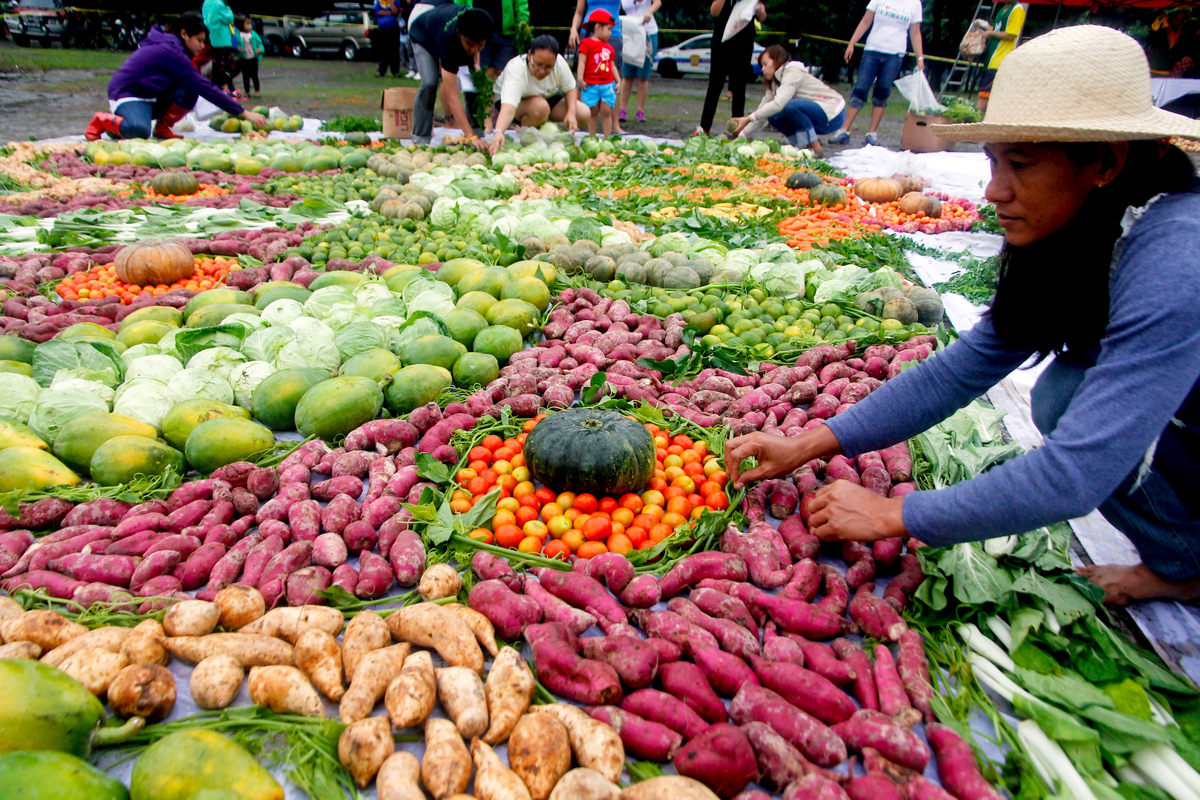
446	38
536	88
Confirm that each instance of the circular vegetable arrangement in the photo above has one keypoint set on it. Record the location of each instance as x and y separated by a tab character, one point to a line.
600	452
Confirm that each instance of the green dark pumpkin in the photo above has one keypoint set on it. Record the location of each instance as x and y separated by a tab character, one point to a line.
583	450
176	183
827	195
803	180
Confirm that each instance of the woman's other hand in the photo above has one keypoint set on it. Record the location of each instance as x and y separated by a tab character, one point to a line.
497	142
843	511
742	122
849	54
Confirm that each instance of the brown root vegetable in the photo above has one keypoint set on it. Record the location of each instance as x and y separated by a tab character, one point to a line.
289	623
191	618
251	650
399	778
438	581
430	625
540	753
95	668
668	787
285	690
364	746
216	681
317	654
372	676
493	780
480	625
509	690
595	745
240	605
411	695
460	691
366	632
20	650
46	629
143	645
107	638
446	766
582	783
143	690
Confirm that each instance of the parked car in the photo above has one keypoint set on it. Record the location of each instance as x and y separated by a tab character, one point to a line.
274	34
694	57
43	21
345	30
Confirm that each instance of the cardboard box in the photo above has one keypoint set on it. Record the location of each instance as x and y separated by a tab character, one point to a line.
397	105
918	138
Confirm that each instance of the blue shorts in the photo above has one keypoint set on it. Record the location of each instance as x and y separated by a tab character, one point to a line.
642	72
597	93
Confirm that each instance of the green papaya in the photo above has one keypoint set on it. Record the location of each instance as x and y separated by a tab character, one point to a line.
50	775
180	765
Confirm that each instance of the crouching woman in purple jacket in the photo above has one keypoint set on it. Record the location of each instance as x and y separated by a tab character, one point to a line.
160	82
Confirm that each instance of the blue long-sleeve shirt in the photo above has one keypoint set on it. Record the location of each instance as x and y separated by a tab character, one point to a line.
159	65
1149	363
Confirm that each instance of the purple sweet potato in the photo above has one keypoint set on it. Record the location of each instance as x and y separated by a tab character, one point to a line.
665	709
302	586
873	787
407	557
722	606
39	554
864	676
877	618
893	700
245	503
821	659
188	515
779	763
687	682
813	739
837	591
806	619
392	528
280	530
726	673
96	512
642	737
13	545
235	474
913	669
508	611
780	648
491	567
142	522
381	510
161	563
556	610
801	544
329	551
384	436
262	482
759	553
635	660
258	557
194	572
903	586
879	731
345	485
694	568
285	562
641	592
304	520
359	536
375	576
690	638
721	758
86	567
345	577
898	461
805	689
957	766
732	637
783	499
804	583
339	513
887	551
581	591
739	590
565	672
613	569
52	583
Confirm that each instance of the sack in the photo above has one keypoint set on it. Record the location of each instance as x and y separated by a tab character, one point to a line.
974	42
741	16
633	41
908	165
921	99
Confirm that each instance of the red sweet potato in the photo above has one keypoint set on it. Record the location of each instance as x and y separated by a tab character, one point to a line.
641	592
821	659
491	567
304	520
957	766
903	586
688	683
374	576
893	700
805	689
660	707
407	557
635	660
877	618
722	606
613	569
806	619
894	742
873	787
801	544
564	672
694	568
837	592
733	638
721	758
726	673
818	743
302	586
757	550
780	648
864	677
556	610
668	625
581	591
339	513
642	737
329	551
779	763
194	572
257	558
96	512
359	536
508	611
887	551
345	577
86	567
804	583
13	545
347	485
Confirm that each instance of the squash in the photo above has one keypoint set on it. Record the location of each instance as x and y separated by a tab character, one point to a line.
915	203
900	308
681	278
803	180
175	183
827	195
910	184
878	190
927	303
585	450
533	246
151	262
600	268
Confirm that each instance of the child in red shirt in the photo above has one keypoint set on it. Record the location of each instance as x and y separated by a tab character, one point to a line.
597	70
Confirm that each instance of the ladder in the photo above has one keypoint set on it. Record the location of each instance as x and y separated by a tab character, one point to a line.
959	77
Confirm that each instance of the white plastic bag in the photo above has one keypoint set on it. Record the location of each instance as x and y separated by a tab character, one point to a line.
921	99
974	42
908	165
633	41
741	16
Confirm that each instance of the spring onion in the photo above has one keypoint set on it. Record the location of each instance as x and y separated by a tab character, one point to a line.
1164	771
1052	623
990	676
981	644
1001	631
1055	760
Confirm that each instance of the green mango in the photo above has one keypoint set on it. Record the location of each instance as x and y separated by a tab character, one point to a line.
50	775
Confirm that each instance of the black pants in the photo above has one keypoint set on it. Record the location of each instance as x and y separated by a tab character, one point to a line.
730	61
223	62
249	69
387	40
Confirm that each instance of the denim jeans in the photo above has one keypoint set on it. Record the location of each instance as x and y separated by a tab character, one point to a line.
876	68
138	115
801	121
1150	511
431	76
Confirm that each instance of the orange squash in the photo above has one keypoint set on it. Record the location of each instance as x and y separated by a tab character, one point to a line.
152	262
915	202
878	190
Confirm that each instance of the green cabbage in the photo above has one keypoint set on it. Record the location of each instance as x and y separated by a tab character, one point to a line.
263	344
317	352
146	400
55	408
192	383
77	379
281	312
832	288
306	326
668	242
160	367
433	302
585	228
100	358
319	302
785	280
18	396
246	377
221	360
359	338
141	350
251	322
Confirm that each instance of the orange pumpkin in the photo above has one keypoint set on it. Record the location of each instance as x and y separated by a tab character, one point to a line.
878	190
915	202
152	262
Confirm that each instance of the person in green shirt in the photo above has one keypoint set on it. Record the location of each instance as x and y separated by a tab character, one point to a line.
1001	40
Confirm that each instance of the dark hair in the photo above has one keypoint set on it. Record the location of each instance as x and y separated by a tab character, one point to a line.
778	53
1053	296
475	24
190	22
544	42
240	20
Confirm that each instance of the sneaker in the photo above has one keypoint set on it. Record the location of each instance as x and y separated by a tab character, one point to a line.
840	136
641	116
699	131
872	138
621	116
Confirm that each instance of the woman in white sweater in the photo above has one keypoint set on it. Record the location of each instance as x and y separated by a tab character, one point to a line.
796	104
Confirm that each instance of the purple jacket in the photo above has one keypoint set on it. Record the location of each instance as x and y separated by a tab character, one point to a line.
158	66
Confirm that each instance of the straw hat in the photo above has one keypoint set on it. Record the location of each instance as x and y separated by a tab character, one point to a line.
1082	84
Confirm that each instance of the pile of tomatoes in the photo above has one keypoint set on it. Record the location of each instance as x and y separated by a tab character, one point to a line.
102	281
688	480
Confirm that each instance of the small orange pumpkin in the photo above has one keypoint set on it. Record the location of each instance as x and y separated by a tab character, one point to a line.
915	202
152	262
878	190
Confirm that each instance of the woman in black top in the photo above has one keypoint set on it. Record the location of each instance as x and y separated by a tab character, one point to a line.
730	61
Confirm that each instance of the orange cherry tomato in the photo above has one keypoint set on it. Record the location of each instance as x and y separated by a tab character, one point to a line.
478	486
619	543
491	442
526	514
717	501
586	503
530	544
682	440
637	535
536	528
482	535
632	502
573	539
509	535
597	529
623	516
679	505
660	532
566	500
591	549
479	454
550	511
555	548
545	495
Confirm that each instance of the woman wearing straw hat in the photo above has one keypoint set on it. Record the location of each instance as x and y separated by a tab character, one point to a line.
1101	267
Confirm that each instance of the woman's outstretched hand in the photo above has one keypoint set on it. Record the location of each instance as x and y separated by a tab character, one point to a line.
843	511
776	455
